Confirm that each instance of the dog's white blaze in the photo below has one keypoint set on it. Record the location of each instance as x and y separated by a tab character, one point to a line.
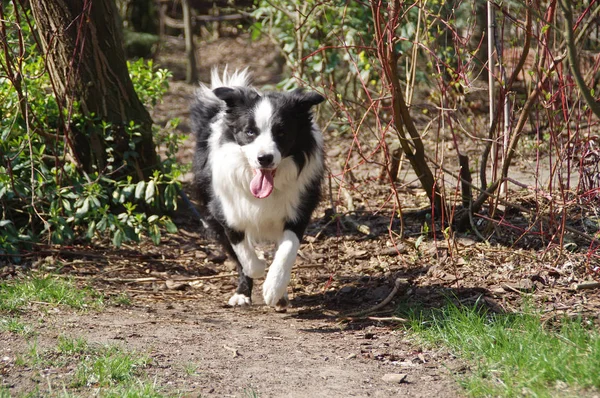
263	115
280	271
264	144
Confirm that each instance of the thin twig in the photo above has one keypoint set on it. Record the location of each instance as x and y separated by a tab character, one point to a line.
400	283
155	279
587	285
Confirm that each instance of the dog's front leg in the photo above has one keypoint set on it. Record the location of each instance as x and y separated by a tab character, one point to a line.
249	266
278	277
253	266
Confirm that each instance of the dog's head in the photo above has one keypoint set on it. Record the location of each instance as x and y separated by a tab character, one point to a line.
268	127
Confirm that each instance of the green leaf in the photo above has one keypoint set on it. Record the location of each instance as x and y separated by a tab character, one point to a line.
66	204
154	232
91	230
139	189
170	226
118	238
149	197
419	241
84	208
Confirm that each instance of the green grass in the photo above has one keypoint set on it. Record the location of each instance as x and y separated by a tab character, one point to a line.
191	369
14	325
72	346
108	366
516	355
139	389
120	300
250	392
15	295
86	369
105	370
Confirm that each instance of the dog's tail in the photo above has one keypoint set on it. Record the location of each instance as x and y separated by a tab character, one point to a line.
208	101
235	79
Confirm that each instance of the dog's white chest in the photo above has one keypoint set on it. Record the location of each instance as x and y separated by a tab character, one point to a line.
262	219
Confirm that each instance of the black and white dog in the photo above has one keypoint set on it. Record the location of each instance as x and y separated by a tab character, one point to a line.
258	168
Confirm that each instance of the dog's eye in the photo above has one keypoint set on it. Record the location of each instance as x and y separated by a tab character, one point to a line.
250	133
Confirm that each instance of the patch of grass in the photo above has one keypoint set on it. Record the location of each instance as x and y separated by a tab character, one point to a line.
4	393
106	371
516	355
34	357
138	390
120	300
108	366
14	325
46	289
191	369
250	392
72	346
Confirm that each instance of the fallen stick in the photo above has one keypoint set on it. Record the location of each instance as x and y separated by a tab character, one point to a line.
587	285
155	279
378	319
399	283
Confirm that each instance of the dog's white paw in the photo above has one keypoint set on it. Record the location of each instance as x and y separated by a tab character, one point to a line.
239	300
256	268
274	290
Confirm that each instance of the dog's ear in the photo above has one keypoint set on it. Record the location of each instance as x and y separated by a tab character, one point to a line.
307	99
231	96
236	97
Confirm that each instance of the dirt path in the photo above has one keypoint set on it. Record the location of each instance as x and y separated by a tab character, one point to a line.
254	351
276	355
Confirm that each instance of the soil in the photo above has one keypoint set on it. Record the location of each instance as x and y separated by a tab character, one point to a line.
323	345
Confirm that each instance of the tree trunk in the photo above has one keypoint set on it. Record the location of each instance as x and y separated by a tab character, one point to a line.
191	74
86	62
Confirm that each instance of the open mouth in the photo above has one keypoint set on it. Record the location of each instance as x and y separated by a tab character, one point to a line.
261	185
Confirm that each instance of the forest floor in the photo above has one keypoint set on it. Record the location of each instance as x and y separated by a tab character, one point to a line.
178	290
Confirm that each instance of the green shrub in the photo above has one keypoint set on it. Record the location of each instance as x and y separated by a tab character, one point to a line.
322	42
44	196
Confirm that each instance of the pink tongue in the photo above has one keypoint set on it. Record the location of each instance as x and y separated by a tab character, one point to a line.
261	185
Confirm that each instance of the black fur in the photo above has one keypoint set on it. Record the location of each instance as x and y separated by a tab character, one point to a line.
291	127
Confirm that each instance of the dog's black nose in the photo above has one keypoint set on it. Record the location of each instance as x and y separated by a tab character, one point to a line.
265	160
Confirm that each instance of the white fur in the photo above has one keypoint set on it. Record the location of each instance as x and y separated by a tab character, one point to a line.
261	219
239	300
253	266
235	79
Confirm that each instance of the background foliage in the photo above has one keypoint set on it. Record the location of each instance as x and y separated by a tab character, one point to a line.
44	196
433	57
